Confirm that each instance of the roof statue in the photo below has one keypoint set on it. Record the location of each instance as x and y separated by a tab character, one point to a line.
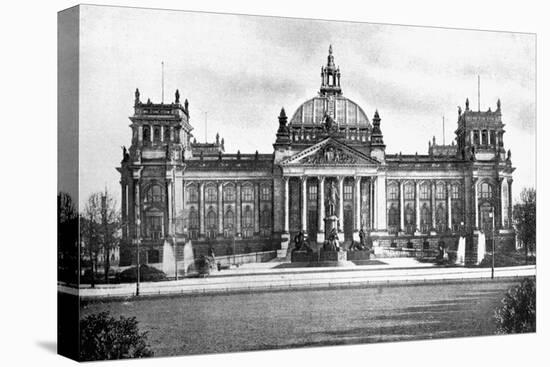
177	96
137	97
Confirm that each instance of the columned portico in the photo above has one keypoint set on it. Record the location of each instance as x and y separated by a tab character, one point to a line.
304	204
417	206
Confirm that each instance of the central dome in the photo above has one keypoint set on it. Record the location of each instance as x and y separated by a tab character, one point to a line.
344	112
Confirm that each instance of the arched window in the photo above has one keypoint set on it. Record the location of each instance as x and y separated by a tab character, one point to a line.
265	193
492	137
167	136
229	193
211	194
211	219
193	218
484	137
248	222
248	217
192	194
425	218
476	137
155	194
486	190
247	193
393	216
393	192
228	222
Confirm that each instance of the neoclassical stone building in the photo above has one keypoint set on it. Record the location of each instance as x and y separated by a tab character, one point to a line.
329	158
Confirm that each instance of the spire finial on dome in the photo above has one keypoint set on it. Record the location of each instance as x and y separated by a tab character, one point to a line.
330	49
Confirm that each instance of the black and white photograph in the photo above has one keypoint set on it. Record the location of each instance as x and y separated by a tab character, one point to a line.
233	183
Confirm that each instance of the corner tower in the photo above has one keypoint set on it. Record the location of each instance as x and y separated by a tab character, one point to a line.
151	180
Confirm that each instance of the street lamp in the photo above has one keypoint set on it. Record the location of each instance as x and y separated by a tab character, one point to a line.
492	216
137	265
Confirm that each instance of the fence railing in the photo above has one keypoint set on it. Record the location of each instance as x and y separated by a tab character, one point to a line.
252	257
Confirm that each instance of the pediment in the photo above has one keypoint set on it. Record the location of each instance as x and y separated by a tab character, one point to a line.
330	152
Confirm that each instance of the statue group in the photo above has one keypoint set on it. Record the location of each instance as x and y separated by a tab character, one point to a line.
300	243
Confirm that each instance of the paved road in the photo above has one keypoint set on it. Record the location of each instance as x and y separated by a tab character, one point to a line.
293	279
314	317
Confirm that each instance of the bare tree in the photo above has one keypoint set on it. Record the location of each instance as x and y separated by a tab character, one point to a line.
99	225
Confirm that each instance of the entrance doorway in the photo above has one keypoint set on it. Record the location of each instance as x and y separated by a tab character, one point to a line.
348	224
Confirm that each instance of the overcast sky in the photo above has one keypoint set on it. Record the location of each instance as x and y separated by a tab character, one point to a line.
243	69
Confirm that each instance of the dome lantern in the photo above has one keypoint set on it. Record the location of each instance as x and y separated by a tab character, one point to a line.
330	77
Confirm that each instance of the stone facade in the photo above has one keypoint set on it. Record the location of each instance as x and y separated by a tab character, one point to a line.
329	159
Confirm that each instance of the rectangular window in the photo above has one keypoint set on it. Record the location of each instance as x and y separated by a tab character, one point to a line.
440	192
312	193
247	193
425	192
348	192
409	192
393	192
455	192
265	193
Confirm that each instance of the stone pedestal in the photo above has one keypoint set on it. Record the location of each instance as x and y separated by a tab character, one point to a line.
332	256
330	223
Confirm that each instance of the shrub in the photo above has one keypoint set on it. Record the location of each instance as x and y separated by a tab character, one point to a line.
104	337
147	274
518	311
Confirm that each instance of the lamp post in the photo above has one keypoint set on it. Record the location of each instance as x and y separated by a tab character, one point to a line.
137	265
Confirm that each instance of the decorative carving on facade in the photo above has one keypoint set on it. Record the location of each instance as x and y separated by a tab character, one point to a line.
329	154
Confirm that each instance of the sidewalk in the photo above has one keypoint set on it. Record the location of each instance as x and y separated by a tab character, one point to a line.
271	276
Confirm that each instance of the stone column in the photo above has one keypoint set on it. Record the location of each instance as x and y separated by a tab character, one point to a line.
220	208
286	207
401	207
449	207
169	184
341	203
357	203
417	197
375	202
161	133
476	204
201	208
510	203
433	204
304	203
381	202
140	134
502	198
256	208
238	209
321	208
